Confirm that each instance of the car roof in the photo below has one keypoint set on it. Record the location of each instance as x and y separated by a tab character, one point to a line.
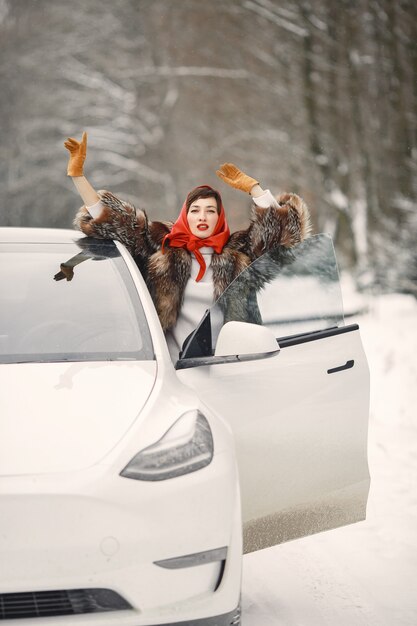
38	235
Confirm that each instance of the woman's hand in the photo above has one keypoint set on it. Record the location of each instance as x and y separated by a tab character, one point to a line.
78	152
66	272
234	177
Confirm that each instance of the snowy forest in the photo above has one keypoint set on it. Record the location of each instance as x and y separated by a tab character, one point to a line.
319	98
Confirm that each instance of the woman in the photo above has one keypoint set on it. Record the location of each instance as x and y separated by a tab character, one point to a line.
187	265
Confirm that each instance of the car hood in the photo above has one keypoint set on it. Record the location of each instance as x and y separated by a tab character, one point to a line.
58	417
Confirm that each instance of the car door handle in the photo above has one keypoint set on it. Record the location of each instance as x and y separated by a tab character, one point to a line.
346	366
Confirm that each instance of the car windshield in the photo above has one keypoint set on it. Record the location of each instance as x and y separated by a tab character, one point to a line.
291	291
94	316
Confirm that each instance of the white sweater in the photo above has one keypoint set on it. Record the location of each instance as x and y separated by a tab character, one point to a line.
198	297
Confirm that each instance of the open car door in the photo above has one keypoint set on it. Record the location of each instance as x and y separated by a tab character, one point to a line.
274	357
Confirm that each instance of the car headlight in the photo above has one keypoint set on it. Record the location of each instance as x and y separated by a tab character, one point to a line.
186	447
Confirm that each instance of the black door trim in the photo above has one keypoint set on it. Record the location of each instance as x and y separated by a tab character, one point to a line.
294	340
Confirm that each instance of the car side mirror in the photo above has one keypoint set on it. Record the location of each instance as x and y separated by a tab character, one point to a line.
240	338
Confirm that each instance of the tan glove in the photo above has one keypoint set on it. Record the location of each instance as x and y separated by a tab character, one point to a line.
66	272
234	177
78	152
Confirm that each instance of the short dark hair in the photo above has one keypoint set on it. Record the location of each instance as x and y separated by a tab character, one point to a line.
203	191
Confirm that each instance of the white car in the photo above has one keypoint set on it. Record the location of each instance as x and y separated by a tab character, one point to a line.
126	480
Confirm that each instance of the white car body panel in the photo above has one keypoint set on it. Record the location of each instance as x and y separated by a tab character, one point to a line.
301	451
69	415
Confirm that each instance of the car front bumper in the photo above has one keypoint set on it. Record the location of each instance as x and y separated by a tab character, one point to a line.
96	530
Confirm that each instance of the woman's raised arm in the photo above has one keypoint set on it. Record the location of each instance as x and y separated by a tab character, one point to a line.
282	220
78	153
105	216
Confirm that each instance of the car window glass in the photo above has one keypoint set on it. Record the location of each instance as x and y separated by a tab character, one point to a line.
97	315
291	291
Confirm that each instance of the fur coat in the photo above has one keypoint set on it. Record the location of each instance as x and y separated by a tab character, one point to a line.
166	274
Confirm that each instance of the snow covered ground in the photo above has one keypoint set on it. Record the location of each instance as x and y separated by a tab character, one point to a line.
365	574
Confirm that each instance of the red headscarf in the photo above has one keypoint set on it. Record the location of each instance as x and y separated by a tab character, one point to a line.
182	237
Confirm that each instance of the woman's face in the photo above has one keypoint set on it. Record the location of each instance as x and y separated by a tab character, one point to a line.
202	217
